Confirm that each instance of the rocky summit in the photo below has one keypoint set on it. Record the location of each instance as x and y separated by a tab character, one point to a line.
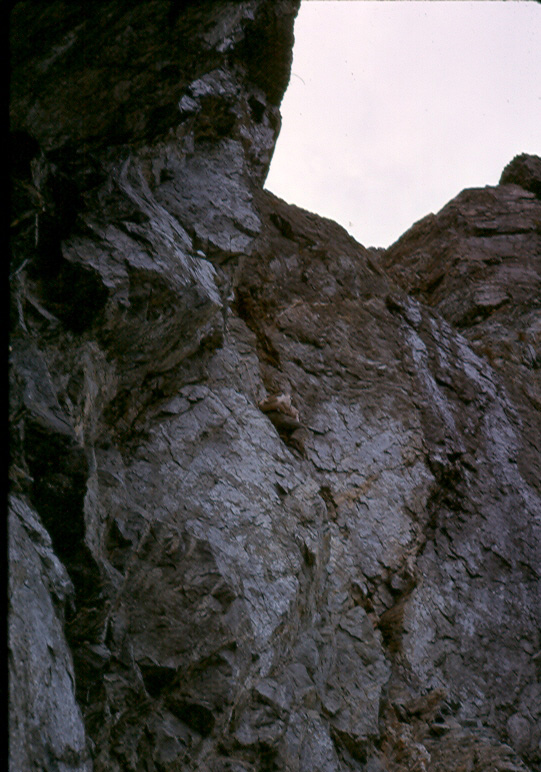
275	498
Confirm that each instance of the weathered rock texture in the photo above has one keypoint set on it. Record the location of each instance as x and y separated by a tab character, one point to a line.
275	497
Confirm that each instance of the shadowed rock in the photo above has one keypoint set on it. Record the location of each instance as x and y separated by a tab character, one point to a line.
343	575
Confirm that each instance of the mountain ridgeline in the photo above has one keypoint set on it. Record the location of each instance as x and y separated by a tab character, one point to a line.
275	497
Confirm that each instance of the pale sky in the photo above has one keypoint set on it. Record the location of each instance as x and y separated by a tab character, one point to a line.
395	107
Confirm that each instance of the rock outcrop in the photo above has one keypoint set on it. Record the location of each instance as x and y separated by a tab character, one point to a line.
275	498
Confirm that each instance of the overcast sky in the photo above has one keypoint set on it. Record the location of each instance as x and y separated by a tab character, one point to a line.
395	107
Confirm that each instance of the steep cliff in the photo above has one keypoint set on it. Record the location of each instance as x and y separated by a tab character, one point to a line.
275	498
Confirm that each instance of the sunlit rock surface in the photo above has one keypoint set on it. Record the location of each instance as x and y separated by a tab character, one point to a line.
342	577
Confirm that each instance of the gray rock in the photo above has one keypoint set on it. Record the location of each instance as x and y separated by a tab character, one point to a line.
45	723
201	580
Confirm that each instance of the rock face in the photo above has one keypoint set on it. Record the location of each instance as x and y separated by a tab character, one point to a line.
275	497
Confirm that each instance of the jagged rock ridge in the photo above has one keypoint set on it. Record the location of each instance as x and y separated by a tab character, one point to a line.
275	498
